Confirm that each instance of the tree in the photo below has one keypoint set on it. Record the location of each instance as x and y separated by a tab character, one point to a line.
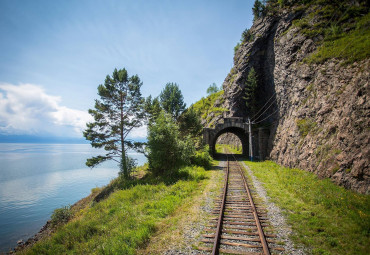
258	9
190	125
119	110
250	91
166	151
212	89
171	100
152	108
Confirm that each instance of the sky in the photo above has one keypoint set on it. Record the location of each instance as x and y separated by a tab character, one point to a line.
54	54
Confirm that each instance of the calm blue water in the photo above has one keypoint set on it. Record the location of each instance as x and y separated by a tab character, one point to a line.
35	179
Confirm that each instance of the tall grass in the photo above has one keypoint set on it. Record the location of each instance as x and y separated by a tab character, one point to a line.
125	220
325	217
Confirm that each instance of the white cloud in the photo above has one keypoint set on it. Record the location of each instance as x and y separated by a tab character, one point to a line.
27	109
140	132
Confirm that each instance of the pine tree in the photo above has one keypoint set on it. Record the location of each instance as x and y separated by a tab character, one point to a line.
119	110
172	100
259	9
213	89
250	91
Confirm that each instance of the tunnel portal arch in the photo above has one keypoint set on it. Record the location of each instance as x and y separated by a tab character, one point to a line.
238	126
239	132
233	125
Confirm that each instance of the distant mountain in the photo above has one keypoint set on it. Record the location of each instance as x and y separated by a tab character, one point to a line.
48	139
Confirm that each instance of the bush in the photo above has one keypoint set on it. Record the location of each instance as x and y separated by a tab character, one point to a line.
202	158
166	151
131	164
61	216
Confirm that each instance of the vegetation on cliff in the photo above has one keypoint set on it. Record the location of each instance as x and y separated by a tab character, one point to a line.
209	108
340	28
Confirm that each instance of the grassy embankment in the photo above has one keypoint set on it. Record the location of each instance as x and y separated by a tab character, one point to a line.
126	219
326	218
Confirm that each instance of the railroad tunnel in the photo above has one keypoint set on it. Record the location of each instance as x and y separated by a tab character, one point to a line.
238	132
239	127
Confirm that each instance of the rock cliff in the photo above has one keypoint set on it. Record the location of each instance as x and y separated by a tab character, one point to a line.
317	111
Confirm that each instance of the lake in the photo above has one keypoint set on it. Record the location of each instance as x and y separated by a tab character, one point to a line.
35	179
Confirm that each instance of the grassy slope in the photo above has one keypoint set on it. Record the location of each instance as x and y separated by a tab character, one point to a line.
207	109
325	217
180	230
126	219
350	46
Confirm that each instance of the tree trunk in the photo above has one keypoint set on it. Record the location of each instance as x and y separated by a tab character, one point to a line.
123	165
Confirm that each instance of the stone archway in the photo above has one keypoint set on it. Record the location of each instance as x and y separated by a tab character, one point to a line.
234	125
240	133
239	127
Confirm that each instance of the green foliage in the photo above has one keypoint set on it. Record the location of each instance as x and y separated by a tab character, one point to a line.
172	100
61	216
229	147
202	158
166	151
259	9
125	220
190	126
131	164
119	110
213	89
236	48
326	218
247	36
349	46
250	92
341	28
305	126
152	108
206	108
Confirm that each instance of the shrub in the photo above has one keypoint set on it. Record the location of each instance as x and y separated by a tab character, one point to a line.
131	164
166	151
236	48
61	215
202	158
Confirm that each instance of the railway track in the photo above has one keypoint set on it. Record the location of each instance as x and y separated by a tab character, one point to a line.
238	226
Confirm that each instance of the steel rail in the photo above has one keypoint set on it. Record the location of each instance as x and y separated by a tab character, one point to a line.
265	247
216	243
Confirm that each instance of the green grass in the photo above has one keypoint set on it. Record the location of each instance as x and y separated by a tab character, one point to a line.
206	107
126	219
305	126
349	46
234	149
325	217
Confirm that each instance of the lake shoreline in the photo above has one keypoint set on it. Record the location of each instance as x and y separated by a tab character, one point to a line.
47	230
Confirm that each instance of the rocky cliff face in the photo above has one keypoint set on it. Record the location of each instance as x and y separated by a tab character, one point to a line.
318	114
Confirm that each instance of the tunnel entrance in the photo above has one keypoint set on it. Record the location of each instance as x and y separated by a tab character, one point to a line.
229	141
234	137
237	126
